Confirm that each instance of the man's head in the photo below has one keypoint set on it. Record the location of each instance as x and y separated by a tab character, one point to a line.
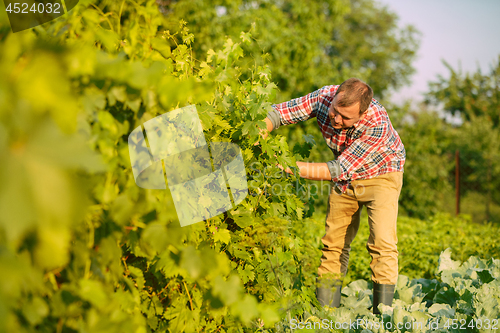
351	101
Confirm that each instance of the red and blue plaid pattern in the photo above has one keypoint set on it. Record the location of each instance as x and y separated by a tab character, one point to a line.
370	148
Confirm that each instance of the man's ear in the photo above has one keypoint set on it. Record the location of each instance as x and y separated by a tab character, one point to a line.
363	114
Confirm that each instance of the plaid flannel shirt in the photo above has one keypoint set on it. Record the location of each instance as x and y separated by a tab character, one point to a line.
371	147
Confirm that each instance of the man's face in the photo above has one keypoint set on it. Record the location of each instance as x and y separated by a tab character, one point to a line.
343	117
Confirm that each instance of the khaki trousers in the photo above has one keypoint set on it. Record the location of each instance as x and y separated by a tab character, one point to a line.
380	196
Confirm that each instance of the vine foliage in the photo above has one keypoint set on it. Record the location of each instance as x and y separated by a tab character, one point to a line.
82	248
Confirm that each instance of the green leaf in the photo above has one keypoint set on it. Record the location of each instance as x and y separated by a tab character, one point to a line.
487	300
309	139
445	261
108	38
246	37
446	296
93	292
355	287
269	314
222	236
155	237
246	127
52	248
138	275
192	262
442	310
485	276
228	291
243	218
246	274
93	100
35	310
246	309
117	94
167	265
134	105
300	213
162	46
121	209
277	208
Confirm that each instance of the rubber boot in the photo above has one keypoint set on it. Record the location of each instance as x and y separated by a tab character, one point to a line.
382	294
328	292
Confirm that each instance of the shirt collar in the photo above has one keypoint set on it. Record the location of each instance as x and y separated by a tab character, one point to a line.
364	121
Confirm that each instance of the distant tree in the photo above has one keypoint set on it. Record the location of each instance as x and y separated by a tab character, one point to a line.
469	95
308	44
479	144
475	97
429	161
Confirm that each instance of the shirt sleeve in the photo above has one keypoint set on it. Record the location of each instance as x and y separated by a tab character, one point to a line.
334	167
360	151
274	116
302	108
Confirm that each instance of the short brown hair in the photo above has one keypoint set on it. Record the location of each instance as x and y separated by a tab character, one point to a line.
355	91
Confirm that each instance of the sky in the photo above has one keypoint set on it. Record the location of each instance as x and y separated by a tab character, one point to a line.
464	33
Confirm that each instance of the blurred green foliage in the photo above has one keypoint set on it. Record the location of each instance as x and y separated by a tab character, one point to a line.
82	248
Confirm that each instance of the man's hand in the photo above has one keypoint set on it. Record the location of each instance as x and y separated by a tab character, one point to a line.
312	171
288	170
263	133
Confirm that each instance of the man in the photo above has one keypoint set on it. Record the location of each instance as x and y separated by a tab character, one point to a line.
367	171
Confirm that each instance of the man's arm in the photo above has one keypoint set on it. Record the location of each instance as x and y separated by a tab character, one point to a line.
300	109
295	110
312	171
